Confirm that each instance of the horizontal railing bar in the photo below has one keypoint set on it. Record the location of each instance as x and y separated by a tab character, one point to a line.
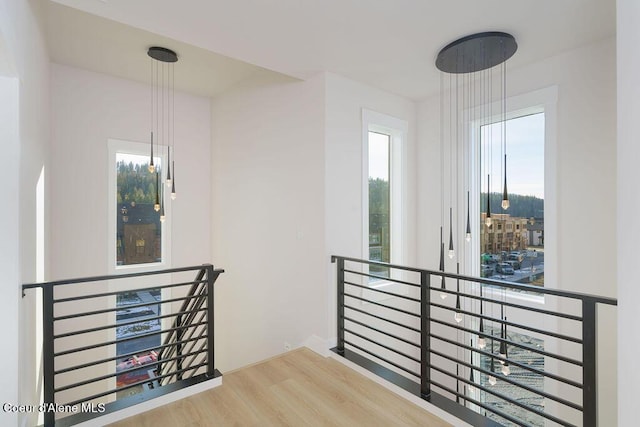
507	380
118	276
116	374
382	305
382	318
107	294
512	343
504	397
90	347
511	362
516	325
389	279
128	386
381	331
133	322
382	345
109	310
511	304
383	359
383	292
493	282
483	405
124	355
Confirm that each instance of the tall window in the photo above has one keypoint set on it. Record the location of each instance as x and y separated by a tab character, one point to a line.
379	199
138	225
384	139
512	247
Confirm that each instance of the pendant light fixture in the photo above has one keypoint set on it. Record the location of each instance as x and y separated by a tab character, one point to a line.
156	205
443	285
505	365
482	343
458	316
475	56
468	231
452	253
162	116
471	378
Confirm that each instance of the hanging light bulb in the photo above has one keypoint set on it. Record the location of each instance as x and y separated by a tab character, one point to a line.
505	195
168	181
492	380
505	369
452	253
458	316
156	206
152	167
488	220
467	236
443	284
173	183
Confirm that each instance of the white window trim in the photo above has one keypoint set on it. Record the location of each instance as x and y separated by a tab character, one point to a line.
397	129
121	146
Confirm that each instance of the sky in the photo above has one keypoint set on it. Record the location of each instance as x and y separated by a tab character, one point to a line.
525	157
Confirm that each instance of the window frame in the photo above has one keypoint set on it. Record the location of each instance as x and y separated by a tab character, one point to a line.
539	101
117	146
397	130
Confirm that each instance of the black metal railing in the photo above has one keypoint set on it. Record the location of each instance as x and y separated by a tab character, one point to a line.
401	326
91	368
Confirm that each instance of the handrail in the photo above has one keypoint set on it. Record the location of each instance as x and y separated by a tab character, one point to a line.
493	282
195	364
438	351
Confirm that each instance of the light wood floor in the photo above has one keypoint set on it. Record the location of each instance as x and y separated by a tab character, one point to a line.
299	388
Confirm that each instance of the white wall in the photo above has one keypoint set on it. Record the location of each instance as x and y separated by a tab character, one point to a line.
89	108
23	49
628	234
345	100
268	217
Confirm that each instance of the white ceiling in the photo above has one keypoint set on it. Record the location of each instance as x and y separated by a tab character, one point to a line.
388	44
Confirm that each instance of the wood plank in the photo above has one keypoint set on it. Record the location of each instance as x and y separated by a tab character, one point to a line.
298	388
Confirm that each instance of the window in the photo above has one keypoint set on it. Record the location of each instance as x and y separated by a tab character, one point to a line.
138	236
138	241
525	182
383	176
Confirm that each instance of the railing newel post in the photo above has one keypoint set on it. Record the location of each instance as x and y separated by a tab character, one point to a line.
425	320
48	349
340	311
210	322
589	363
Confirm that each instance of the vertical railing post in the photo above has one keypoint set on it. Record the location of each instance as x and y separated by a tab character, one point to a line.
589	365
210	323
425	332
48	353
179	335
340	344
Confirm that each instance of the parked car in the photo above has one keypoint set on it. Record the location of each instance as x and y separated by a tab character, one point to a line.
486	270
516	256
504	268
514	264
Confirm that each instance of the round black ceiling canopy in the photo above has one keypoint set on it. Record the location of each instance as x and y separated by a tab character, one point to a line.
476	52
162	54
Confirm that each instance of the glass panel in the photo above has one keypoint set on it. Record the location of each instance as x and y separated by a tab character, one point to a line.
512	247
138	229
379	201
